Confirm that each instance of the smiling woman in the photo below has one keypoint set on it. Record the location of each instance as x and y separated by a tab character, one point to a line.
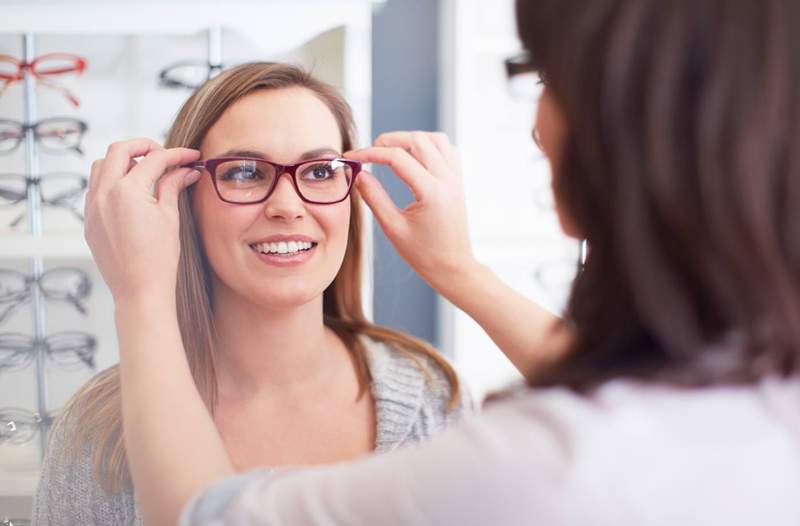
267	302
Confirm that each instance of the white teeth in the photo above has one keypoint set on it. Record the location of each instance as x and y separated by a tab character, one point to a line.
283	247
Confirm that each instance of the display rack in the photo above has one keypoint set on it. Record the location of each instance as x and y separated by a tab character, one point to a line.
35	226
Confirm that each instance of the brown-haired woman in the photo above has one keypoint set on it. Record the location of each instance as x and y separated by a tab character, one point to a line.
266	301
671	393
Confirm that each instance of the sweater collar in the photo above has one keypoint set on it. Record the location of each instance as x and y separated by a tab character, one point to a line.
397	388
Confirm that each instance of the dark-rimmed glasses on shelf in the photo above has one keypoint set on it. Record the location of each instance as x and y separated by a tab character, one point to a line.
19	426
249	180
67	349
55	135
46	68
58	190
65	284
189	74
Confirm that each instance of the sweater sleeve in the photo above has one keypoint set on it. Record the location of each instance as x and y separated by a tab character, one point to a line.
68	493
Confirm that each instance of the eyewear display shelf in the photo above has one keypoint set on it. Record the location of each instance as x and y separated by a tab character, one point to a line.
125	44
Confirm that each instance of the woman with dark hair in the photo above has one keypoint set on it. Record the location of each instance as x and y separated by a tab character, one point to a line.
670	393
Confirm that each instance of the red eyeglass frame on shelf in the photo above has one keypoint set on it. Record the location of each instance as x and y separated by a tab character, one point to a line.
75	65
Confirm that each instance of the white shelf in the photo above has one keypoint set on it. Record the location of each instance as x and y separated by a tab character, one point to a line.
275	26
71	246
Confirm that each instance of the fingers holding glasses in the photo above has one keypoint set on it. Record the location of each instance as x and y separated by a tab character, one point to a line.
388	215
430	151
402	163
428	164
449	151
120	159
155	164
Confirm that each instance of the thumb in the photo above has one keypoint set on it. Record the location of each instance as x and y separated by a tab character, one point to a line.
172	184
383	208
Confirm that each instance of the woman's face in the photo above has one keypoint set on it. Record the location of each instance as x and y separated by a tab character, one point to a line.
284	126
550	133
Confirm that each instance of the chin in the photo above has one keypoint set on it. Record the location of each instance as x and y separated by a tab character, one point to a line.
286	295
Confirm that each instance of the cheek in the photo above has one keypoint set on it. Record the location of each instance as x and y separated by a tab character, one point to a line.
549	128
204	203
217	223
335	222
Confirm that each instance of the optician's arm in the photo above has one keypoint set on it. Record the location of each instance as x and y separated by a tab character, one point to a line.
431	234
504	468
172	445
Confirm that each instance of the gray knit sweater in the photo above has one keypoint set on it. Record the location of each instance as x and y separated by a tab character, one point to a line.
408	407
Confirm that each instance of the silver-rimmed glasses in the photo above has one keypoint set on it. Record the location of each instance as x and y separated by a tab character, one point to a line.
67	349
19	426
55	135
67	284
58	190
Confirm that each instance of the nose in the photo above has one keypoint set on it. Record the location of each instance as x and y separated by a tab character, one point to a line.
284	203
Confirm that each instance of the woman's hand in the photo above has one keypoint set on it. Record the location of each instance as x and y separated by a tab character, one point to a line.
131	231
431	233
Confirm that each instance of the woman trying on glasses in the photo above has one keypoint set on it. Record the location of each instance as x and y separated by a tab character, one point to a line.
258	277
671	130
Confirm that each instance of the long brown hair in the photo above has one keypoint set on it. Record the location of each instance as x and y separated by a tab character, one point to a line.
681	168
95	411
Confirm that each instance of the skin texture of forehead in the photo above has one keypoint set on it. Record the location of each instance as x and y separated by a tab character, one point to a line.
282	124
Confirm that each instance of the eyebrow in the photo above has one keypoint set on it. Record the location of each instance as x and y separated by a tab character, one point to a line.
316	153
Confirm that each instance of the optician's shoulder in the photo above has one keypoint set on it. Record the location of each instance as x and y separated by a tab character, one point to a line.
631	453
413	392
68	492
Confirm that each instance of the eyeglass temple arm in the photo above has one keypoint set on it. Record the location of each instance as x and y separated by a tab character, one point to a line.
194	164
64	91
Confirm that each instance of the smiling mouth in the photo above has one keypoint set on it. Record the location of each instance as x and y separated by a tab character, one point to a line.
283	248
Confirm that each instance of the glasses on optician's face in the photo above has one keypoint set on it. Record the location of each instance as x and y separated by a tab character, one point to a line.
250	180
57	190
46	68
55	135
189	74
67	349
19	426
525	75
64	284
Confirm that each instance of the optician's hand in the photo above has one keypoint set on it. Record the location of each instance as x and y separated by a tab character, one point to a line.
133	233
431	233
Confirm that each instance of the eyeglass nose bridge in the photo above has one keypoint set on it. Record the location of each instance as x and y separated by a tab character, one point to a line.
280	171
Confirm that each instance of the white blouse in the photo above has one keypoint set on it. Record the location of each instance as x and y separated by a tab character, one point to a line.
631	454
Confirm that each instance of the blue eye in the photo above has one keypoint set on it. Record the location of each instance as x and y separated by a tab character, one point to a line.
242	173
319	172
